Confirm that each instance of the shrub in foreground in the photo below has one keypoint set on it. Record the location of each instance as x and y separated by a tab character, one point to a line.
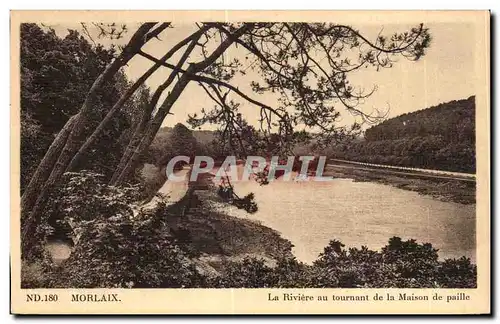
400	264
116	243
124	252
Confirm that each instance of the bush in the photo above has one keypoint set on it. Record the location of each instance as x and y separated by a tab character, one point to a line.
121	251
34	275
337	267
400	264
116	245
249	273
255	273
457	273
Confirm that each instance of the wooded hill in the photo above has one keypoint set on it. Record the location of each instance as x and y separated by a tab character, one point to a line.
440	137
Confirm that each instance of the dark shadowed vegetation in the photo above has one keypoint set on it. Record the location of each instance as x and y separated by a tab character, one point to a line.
56	75
440	137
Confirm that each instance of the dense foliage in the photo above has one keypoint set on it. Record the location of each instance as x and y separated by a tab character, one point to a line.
56	74
400	264
171	142
116	243
440	137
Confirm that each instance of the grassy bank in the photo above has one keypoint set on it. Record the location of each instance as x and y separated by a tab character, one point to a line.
213	238
443	189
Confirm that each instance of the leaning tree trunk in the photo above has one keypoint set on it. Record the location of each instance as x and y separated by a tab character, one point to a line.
151	131
155	124
138	133
43	170
116	108
146	116
75	137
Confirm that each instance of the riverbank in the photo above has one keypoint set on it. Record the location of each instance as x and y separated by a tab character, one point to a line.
311	213
239	251
448	190
213	239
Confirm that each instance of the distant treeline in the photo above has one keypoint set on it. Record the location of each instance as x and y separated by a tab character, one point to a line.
180	140
440	137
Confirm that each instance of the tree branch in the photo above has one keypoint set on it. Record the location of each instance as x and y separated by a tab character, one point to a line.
209	80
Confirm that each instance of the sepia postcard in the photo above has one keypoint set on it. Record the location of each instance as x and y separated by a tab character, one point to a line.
250	162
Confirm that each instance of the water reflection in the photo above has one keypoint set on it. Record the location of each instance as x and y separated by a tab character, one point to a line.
359	213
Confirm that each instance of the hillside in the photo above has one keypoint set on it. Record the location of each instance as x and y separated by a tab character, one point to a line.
440	137
454	121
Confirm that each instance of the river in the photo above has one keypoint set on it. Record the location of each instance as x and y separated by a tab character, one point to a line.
310	214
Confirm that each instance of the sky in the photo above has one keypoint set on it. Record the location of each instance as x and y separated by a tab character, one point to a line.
445	73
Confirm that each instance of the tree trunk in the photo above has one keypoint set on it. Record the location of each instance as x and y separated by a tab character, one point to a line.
116	108
151	131
139	131
43	170
155	124
74	138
